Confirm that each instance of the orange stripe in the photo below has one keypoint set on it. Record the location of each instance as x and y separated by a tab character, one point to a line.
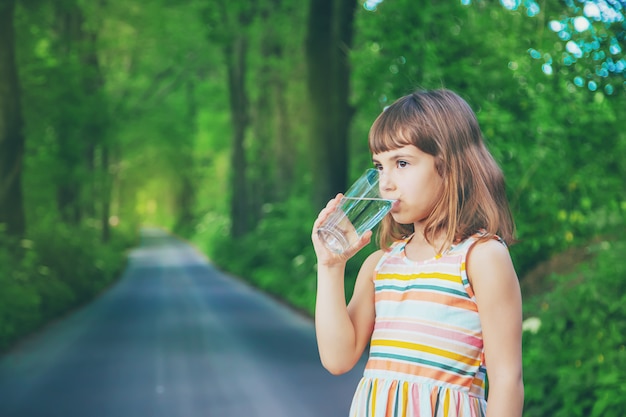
390	402
433	398
420	371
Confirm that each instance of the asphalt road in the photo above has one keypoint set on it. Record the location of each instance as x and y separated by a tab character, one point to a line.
174	337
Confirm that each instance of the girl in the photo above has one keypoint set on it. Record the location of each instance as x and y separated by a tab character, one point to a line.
440	304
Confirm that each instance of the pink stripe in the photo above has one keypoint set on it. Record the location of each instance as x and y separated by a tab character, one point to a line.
432	330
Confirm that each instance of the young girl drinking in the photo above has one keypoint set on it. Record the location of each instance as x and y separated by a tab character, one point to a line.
440	303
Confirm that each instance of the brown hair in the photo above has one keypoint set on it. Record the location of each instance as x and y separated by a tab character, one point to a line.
442	124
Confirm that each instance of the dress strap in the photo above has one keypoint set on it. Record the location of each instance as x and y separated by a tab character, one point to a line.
465	245
463	249
395	248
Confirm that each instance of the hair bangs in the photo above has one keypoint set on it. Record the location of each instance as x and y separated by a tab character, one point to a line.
405	122
389	131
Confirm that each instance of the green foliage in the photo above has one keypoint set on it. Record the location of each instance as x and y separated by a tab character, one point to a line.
55	269
574	362
587	44
277	256
19	303
78	259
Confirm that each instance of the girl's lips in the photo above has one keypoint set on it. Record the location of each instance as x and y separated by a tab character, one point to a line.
395	205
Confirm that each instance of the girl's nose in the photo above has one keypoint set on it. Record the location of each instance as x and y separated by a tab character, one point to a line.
384	181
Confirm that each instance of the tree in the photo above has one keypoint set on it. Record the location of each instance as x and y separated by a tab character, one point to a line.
229	23
81	128
328	44
276	110
11	134
259	43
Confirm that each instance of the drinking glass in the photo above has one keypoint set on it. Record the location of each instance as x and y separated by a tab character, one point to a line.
361	209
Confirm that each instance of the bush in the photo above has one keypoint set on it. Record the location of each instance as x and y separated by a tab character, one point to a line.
574	360
56	269
19	302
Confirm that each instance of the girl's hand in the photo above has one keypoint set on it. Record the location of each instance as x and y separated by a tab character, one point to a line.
324	255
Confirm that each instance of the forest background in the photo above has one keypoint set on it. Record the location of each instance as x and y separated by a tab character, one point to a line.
231	124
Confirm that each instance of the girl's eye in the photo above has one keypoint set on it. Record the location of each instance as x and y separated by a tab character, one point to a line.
378	167
401	164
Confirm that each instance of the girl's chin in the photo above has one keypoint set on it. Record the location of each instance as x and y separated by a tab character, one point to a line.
399	218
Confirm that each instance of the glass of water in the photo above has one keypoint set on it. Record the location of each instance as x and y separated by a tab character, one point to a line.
360	210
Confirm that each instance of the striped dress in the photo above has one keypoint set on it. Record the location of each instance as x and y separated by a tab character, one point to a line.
426	353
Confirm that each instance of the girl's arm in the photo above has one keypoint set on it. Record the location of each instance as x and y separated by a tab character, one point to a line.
342	331
499	300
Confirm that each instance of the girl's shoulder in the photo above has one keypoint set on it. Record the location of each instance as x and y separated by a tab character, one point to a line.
489	257
484	249
477	239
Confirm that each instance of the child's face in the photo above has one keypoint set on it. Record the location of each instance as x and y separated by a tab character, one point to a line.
409	176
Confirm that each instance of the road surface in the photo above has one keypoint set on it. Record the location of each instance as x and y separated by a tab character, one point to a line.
174	337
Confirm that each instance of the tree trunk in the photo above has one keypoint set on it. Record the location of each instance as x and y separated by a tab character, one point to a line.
11	134
80	138
270	172
187	188
230	22
263	165
94	129
236	62
329	39
284	145
106	195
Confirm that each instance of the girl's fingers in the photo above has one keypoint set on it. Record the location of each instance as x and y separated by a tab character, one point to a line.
349	253
330	207
324	255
